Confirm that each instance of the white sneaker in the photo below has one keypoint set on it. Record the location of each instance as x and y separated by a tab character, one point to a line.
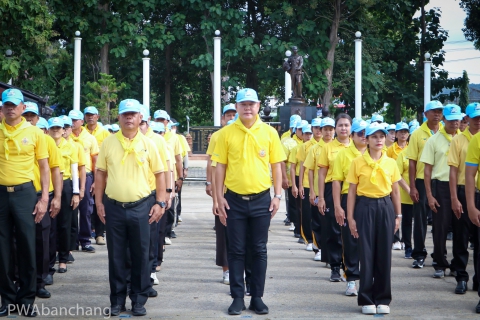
397	246
179	219
371	309
351	289
292	227
226	277
318	256
153	275
383	309
309	247
168	241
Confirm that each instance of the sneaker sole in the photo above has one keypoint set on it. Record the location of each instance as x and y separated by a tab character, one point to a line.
335	280
351	294
236	313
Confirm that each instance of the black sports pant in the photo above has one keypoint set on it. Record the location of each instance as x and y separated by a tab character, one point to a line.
420	222
42	246
306	217
64	223
441	222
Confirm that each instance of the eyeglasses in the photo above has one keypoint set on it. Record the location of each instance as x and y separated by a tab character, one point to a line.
360	134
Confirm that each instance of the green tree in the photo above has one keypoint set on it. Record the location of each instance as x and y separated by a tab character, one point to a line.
464	99
472	22
104	93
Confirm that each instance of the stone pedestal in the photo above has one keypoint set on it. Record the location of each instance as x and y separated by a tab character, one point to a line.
296	106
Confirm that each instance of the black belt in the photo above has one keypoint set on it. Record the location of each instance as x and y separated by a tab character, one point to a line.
17	188
248	197
127	205
460	187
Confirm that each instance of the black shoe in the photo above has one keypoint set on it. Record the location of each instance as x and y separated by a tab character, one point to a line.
236	307
116	310
48	280
300	240
247	289
62	270
56	258
418	263
429	222
477	309
173	235
4	312
286	221
296	235
30	311
475	286
450	236
88	248
70	258
138	309
152	293
335	275
43	293
461	287
257	305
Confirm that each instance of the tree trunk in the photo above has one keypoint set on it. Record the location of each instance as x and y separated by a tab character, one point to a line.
420	64
397	110
328	93
168	78
252	80
104	65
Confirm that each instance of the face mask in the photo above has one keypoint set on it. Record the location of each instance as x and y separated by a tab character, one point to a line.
173	130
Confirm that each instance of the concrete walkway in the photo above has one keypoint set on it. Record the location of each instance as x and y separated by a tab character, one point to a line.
296	288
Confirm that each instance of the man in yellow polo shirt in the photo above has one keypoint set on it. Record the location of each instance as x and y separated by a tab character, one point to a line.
20	145
90	146
433	112
246	207
436	175
463	228
293	121
126	204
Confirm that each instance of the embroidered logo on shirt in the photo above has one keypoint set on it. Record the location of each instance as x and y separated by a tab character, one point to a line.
24	141
262	153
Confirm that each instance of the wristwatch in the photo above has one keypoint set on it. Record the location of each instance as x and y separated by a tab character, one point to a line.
208	183
182	178
162	204
169	190
278	196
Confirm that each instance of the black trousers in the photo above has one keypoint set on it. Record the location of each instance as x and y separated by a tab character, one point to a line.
128	228
350	248
97	223
476	243
244	218
16	213
42	246
463	229
332	230
306	217
317	219
375	219
64	222
293	211
441	222
179	203
221	258
420	222
161	226
153	252
74	231
407	217
170	213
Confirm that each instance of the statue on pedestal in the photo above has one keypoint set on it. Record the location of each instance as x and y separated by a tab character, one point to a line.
294	66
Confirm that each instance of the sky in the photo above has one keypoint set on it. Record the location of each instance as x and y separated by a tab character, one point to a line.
457	47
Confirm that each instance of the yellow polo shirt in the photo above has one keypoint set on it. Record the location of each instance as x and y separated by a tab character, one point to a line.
328	155
473	155
310	162
458	153
19	167
129	181
161	145
213	142
415	147
247	153
69	155
54	161
99	133
288	145
286	134
292	158
90	146
184	145
403	164
342	164
435	153
302	152
360	173
80	152
174	142
394	150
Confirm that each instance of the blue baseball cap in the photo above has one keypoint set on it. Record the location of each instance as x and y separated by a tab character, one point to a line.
432	105
55	122
128	105
14	96
452	112
316	122
358	126
391	127
66	121
160	127
230	122
377	117
473	110
356	120
369	121
229	107
414	122
31	107
307	128
161	114
145	112
91	110
374	127
293	120
327	122
298	124
42	123
115	127
107	127
401	126
413	128
247	94
100	124
75	115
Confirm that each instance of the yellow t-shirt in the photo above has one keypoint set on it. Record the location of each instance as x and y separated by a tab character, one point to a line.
173	142
310	162
213	142
80	152
458	153
342	164
328	155
292	158
435	153
162	149
19	166
69	155
99	133
129	181
473	155
403	164
90	146
302	152
285	135
394	150
247	153
184	144
415	147
360	173
54	160
288	145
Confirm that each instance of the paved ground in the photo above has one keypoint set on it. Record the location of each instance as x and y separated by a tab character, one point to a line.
296	287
